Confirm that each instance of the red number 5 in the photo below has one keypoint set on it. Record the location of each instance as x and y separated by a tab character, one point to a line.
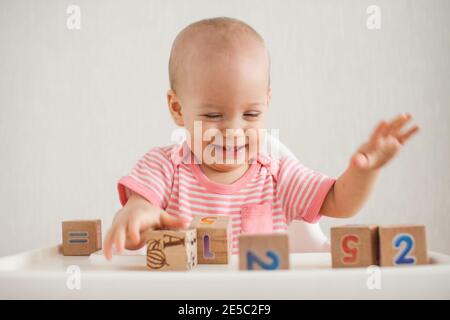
349	247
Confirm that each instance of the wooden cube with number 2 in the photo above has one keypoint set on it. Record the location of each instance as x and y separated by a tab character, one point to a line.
263	251
402	245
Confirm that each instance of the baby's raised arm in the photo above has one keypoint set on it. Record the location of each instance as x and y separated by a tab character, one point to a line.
130	223
354	186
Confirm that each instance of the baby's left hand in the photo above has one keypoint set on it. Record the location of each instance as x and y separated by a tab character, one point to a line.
383	145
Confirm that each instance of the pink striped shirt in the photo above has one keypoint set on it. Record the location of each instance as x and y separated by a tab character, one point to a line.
266	198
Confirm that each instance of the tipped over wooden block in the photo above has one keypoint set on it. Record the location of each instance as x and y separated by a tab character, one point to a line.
214	239
403	245
81	238
263	251
171	250
354	246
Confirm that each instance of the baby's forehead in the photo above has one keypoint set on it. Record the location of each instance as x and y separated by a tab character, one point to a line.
208	43
212	45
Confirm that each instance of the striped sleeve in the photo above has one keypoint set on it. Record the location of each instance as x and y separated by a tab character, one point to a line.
301	190
151	177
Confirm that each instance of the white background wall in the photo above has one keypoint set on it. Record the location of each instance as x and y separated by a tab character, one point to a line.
78	107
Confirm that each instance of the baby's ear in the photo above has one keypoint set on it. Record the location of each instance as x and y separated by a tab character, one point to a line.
175	108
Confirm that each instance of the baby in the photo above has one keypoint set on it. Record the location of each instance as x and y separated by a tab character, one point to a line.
220	93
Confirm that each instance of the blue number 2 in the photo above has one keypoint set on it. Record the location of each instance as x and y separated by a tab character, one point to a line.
252	258
402	256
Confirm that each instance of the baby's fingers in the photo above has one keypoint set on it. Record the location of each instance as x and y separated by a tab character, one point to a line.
398	123
137	227
108	243
405	136
134	231
120	238
380	128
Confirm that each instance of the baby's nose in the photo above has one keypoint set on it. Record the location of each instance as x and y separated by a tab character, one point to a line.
234	136
235	123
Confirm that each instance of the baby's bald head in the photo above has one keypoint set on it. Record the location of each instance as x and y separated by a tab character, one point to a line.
209	40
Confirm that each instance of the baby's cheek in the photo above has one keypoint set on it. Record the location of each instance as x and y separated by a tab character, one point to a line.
254	141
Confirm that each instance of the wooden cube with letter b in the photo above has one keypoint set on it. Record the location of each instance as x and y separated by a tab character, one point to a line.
81	238
354	246
263	251
214	239
402	245
171	250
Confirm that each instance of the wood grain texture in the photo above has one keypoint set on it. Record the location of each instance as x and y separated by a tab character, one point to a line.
171	250
214	239
81	238
354	246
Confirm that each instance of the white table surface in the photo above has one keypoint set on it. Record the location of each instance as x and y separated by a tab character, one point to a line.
42	274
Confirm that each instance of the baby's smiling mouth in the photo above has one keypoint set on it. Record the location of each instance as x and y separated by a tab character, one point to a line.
230	148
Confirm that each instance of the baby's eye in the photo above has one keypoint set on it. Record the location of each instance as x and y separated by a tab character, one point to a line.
252	114
213	115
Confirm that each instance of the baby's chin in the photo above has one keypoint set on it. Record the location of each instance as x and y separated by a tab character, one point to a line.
225	167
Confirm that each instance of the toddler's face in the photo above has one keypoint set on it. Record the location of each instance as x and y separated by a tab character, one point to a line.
226	93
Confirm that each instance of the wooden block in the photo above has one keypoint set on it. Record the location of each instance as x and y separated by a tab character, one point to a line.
81	238
214	239
171	250
354	246
263	251
403	245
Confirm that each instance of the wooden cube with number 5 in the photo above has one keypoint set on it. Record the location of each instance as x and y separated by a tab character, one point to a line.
402	245
354	246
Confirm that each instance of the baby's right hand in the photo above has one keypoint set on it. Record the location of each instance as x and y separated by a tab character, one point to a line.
130	223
